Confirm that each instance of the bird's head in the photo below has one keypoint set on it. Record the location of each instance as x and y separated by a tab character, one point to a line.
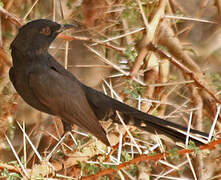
37	35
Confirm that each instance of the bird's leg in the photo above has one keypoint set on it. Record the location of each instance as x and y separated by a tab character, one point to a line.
67	126
67	131
55	147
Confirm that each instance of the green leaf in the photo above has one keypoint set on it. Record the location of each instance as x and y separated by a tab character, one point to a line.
134	89
192	146
173	153
12	176
88	168
1	4
125	156
131	53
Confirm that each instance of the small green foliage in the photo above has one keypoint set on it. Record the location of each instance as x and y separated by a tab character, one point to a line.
152	153
136	134
155	112
172	77
70	3
106	166
78	142
125	156
101	158
192	146
180	172
133	170
131	13
179	13
79	14
131	53
24	11
23	160
90	137
207	124
7	34
163	48
216	80
10	175
93	168
88	168
219	148
133	89
13	163
60	154
129	5
1	4
5	172
6	91
173	153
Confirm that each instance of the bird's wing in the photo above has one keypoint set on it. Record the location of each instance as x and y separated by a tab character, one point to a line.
65	98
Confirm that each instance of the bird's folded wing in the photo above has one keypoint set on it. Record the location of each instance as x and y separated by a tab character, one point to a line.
65	98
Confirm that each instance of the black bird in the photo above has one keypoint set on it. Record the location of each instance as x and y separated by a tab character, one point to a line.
47	86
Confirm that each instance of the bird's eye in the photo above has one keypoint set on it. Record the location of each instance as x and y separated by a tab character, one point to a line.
46	31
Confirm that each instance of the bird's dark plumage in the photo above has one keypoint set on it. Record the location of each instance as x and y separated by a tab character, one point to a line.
47	86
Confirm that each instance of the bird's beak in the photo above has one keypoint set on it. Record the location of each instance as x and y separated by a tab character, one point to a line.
66	26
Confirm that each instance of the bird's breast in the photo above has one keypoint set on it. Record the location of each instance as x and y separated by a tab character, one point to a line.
21	83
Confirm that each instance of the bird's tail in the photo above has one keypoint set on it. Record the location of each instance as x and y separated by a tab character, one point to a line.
155	124
103	105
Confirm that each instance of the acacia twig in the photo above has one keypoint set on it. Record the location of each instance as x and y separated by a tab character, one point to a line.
12	18
186	70
149	157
